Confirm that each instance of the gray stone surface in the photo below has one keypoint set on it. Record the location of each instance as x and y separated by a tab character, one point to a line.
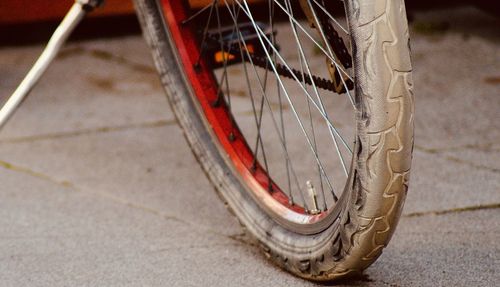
98	186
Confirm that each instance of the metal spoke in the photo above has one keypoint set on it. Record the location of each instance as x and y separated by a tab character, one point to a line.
197	14
331	53
284	90
224	56
278	89
263	93
302	56
266	51
261	36
302	59
205	31
329	56
315	42
258	119
259	123
331	17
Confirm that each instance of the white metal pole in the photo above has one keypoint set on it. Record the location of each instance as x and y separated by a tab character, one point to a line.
61	34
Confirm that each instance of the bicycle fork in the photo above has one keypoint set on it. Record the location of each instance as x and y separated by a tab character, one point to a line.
74	16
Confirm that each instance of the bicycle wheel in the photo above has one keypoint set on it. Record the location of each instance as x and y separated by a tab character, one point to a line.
301	115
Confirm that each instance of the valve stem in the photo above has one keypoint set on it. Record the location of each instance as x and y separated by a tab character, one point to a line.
312	194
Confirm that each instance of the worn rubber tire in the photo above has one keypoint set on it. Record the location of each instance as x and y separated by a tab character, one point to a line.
372	206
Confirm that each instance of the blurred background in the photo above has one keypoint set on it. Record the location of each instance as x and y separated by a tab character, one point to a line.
30	21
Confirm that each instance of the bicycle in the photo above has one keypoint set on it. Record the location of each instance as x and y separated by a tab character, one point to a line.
253	83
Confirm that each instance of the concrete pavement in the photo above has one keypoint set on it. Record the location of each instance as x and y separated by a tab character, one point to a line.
98	186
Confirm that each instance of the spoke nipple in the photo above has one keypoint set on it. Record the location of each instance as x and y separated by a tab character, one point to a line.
253	168
312	194
197	67
231	137
215	103
270	187
218	101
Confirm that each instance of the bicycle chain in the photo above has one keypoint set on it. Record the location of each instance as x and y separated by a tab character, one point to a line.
340	50
334	39
292	73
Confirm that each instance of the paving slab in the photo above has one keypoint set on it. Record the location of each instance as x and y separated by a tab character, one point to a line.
55	235
86	87
453	249
60	236
152	167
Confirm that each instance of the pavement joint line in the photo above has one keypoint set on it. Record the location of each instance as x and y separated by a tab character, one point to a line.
456	159
99	130
489	146
33	173
116	199
455	210
240	237
471	164
108	57
193	246
235	237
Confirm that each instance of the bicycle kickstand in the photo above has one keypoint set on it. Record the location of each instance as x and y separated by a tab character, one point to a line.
77	12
